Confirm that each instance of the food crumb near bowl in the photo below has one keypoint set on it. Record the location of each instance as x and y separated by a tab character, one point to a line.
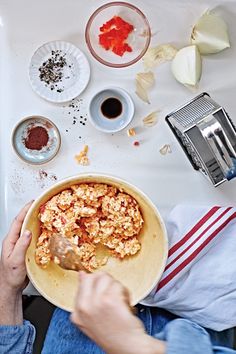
82	157
131	132
136	143
91	215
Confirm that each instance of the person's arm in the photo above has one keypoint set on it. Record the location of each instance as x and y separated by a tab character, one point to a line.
103	313
16	335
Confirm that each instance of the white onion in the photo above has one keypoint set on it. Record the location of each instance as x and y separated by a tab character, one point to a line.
210	34
187	65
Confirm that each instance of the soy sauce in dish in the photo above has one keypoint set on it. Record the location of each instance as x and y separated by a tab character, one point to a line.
111	108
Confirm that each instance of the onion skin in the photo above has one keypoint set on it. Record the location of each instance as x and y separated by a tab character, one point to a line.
210	34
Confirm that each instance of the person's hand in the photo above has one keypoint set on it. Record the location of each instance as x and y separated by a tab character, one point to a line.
13	277
103	313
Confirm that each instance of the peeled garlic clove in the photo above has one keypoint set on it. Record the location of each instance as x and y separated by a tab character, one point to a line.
210	34
158	55
151	119
187	65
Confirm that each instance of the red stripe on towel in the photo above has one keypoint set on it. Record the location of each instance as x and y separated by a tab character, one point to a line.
198	238
178	269
196	227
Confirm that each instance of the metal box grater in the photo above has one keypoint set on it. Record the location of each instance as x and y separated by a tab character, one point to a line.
207	136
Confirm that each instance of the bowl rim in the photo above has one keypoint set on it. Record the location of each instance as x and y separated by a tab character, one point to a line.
46	120
118	180
127	97
89	23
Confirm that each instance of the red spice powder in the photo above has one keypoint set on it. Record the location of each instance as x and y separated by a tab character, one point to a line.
37	138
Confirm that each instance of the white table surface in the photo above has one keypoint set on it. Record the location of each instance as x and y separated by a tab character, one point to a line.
168	180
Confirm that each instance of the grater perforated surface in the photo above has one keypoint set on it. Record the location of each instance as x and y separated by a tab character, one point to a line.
194	111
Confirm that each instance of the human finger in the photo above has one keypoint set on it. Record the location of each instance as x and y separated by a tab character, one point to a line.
85	289
103	283
15	229
122	291
21	246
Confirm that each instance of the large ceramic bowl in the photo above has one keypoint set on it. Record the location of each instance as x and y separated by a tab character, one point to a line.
139	273
138	39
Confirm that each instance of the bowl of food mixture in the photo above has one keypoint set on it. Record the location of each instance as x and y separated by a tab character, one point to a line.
112	224
118	34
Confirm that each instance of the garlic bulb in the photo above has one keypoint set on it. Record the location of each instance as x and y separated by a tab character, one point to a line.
210	34
187	65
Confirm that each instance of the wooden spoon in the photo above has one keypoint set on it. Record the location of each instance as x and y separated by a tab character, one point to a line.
64	253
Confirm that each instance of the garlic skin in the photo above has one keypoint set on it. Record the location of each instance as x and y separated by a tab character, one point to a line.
151	119
158	55
210	34
187	66
144	81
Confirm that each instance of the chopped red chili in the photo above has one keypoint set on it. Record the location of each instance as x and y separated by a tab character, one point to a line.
114	35
42	209
136	143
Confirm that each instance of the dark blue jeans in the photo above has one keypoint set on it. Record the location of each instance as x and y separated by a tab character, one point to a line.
182	336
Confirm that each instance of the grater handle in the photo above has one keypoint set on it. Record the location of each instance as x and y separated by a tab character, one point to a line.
220	145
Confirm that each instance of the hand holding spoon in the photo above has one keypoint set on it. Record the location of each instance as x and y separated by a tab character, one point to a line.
65	253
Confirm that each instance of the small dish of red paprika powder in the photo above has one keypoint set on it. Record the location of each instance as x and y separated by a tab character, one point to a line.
36	140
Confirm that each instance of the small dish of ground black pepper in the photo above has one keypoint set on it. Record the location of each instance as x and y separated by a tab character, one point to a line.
36	140
59	71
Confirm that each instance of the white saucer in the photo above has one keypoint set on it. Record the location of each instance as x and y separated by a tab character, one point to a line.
75	74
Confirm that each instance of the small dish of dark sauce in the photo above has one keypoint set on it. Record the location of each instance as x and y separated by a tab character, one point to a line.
111	108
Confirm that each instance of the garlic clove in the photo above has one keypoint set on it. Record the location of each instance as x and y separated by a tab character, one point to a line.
158	55
210	34
165	149
187	65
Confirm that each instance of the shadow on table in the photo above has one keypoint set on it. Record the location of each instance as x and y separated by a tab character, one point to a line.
38	311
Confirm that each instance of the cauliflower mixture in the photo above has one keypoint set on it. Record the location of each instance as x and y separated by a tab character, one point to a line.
88	215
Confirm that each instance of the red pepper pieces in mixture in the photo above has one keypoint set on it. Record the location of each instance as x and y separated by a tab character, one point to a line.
114	35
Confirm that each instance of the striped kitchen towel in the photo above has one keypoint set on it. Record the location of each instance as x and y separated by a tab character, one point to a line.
199	281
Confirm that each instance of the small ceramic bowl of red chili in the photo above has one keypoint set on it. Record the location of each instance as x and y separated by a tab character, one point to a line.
118	34
36	140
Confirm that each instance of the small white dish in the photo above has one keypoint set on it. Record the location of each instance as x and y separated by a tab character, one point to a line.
111	125
75	73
